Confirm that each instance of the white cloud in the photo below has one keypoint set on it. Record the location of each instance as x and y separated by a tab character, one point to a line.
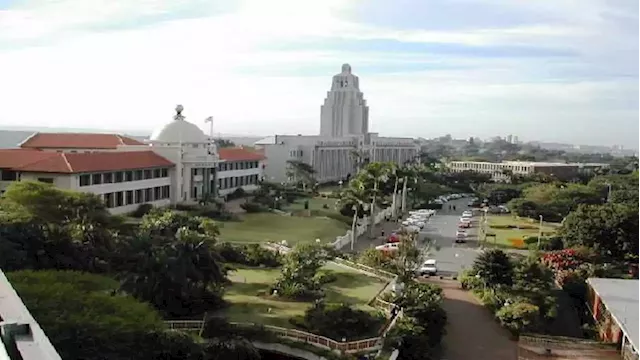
132	79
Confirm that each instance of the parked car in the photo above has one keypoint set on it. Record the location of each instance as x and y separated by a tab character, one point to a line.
388	247
465	220
464	225
412	229
428	268
393	238
461	233
461	239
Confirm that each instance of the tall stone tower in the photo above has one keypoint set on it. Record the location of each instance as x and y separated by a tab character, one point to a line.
345	111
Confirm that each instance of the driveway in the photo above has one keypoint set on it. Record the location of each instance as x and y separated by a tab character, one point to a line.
452	258
472	333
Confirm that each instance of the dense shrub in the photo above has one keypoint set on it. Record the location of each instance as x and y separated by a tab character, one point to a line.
519	317
216	212
253	207
141	210
237	194
249	254
77	308
502	226
339	321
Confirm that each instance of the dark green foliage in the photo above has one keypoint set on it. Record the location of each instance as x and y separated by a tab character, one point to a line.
253	207
299	279
610	229
554	201
250	254
419	333
78	308
237	194
173	264
339	321
42	227
142	210
494	267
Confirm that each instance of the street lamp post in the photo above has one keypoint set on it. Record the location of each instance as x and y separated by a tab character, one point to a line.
540	232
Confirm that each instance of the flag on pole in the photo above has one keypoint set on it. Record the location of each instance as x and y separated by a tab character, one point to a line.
208	120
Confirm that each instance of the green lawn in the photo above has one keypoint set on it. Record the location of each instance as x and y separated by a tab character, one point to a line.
263	227
503	235
351	287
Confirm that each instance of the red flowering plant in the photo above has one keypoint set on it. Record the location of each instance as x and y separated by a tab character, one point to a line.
567	259
566	264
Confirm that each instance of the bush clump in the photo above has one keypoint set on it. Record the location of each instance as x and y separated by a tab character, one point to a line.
339	321
250	255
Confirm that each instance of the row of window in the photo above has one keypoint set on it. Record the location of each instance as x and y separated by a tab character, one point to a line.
238	165
139	196
122	176
236	181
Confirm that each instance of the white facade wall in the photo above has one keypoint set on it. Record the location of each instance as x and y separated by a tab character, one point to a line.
72	182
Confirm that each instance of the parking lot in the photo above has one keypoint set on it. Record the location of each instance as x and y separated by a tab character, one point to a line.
451	257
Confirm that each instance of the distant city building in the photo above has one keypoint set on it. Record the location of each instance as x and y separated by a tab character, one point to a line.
344	139
178	164
502	171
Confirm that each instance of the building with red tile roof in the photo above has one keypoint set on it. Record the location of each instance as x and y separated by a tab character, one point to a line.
88	141
179	164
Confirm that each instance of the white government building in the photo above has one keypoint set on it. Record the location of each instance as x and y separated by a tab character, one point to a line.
178	164
344	132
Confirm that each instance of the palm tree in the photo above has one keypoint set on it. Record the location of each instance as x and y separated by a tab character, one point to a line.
376	173
301	172
354	195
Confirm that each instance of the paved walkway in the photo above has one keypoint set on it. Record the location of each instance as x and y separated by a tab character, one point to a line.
472	333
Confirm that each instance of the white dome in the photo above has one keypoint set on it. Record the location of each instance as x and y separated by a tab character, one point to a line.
177	131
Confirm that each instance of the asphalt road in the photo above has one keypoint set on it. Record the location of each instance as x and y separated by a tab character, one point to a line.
451	258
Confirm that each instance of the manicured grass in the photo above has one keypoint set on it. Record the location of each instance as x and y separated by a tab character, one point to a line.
316	203
350	287
263	227
503	235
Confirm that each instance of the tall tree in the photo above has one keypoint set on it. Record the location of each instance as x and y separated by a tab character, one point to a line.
301	173
354	198
174	265
610	229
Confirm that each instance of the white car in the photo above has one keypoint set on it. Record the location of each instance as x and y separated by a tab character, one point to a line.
412	229
428	268
461	233
465	220
467	214
388	247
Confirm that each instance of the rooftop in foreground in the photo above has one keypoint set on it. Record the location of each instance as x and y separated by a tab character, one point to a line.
30	341
620	296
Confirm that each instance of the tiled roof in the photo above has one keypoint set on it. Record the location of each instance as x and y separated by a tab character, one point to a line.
239	154
67	163
77	141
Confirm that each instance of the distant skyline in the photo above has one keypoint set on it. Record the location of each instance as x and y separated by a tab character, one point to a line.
548	70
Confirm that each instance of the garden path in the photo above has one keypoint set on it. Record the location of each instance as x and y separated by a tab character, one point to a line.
472	333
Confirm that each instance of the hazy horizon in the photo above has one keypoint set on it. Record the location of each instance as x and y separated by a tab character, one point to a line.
560	71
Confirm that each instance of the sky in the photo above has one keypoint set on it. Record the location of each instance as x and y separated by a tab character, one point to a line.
551	70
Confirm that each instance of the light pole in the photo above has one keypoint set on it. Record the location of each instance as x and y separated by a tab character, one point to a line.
540	232
608	192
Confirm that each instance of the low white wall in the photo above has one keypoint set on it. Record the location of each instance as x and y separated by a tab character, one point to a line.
345	239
